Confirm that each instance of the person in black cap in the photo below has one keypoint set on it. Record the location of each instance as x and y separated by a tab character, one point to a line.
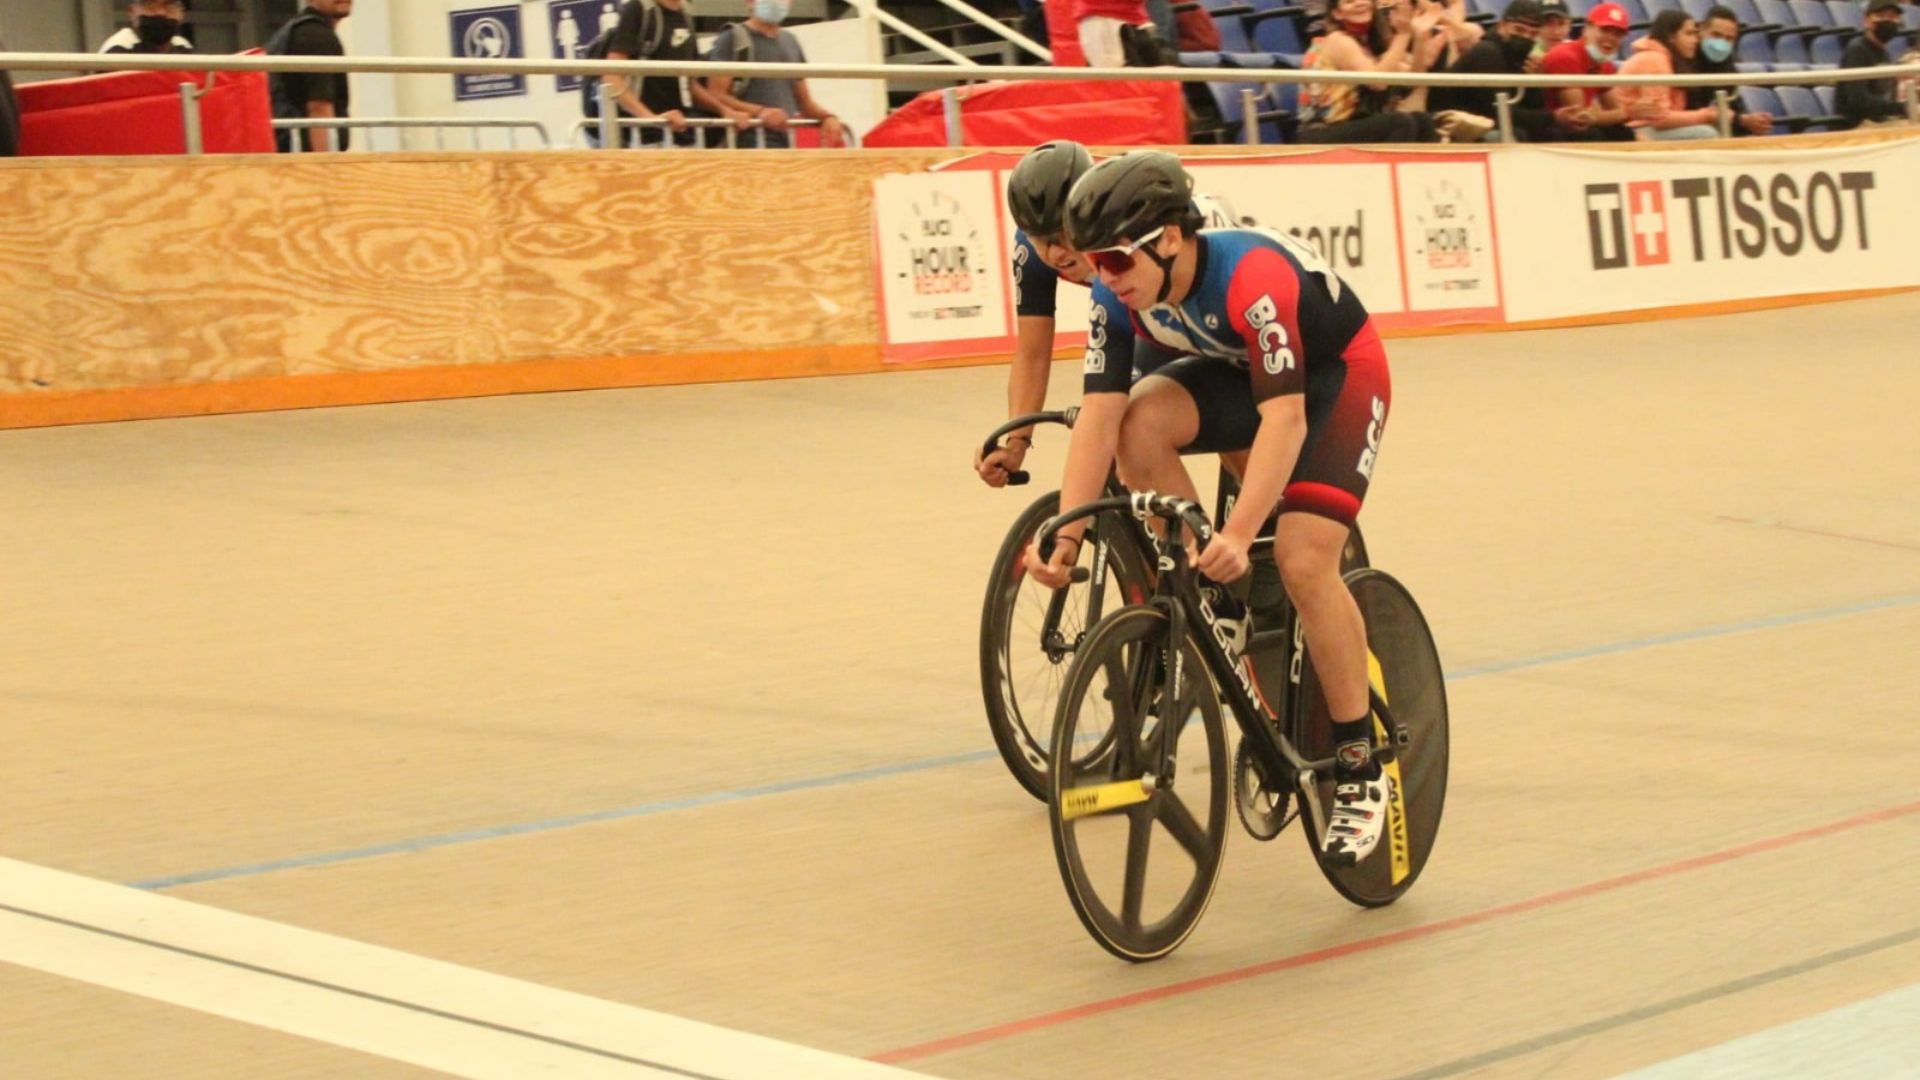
1506	51
1719	37
1556	26
1872	101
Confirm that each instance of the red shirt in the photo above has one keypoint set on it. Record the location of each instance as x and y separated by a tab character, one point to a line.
1127	11
1570	58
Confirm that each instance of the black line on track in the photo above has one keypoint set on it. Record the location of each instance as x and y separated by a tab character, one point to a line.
1660	1008
504	1029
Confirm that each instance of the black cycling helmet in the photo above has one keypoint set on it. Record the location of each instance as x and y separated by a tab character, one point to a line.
1124	198
1037	189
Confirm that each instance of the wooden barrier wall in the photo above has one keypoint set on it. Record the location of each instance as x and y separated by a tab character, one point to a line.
168	286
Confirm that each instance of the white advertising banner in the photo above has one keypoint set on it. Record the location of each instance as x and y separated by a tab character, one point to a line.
1593	232
1413	234
942	262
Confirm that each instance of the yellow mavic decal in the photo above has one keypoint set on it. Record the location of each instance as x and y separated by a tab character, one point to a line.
1397	845
1086	801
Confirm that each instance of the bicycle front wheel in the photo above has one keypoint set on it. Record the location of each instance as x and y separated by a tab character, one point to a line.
1117	789
1029	634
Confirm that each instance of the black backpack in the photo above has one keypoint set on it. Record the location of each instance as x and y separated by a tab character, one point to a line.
653	33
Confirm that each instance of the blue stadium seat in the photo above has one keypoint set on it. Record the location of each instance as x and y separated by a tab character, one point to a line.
1913	18
1789	66
1799	102
1636	14
1760	99
1697	8
1278	34
1897	48
1655	7
1750	18
1826	96
1233	34
1845	13
1778	15
1756	49
1825	51
1790	50
1744	67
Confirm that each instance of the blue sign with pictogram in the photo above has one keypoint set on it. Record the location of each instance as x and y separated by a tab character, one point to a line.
489	33
572	25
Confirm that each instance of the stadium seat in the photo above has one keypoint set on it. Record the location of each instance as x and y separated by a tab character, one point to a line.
1274	123
1791	50
1786	65
1756	49
1233	34
1744	67
1278	33
1750	18
1760	99
1655	7
1697	8
1802	109
1636	13
1780	18
1913	18
1825	51
1826	95
1845	13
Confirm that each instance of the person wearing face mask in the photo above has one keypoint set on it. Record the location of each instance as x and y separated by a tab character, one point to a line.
1668	49
1718	35
153	27
772	102
1556	24
1591	113
1506	51
662	30
1872	102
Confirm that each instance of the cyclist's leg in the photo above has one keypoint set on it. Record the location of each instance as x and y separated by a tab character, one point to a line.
1318	508
1193	405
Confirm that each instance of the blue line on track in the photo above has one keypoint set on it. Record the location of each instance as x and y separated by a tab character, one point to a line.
880	772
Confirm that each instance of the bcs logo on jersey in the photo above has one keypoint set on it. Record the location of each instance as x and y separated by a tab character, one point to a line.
1745	217
1096	362
1270	337
1372	452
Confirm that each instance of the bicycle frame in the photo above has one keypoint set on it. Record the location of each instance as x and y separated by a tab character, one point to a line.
1177	596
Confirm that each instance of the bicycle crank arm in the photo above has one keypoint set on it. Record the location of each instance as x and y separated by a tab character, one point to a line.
1309	785
1076	803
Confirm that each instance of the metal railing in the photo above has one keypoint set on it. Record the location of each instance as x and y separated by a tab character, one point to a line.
577	135
916	73
440	125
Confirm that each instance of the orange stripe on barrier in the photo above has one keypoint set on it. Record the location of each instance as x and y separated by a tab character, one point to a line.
52	408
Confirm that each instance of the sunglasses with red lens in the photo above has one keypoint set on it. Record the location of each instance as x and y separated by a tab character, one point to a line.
1118	260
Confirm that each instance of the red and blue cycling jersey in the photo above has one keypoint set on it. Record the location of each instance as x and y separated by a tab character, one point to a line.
1260	300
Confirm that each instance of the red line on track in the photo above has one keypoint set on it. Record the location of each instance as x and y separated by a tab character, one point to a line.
1300	960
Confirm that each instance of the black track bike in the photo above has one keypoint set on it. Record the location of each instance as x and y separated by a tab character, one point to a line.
1030	633
1140	721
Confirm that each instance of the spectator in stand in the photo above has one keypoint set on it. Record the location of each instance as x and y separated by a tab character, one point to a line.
153	26
1556	24
1590	114
1872	102
773	102
316	95
1101	22
1718	36
1358	41
1668	49
1506	51
662	30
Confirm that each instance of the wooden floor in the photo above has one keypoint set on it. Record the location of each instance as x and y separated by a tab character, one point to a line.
669	697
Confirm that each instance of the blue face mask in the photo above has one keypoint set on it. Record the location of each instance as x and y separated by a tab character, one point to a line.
1598	56
771	11
1716	49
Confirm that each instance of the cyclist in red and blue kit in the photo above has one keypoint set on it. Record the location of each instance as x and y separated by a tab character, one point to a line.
1280	357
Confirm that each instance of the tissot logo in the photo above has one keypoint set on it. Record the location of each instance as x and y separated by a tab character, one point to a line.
1706	219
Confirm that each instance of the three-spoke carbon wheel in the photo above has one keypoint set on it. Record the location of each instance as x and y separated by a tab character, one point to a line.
1405	672
1139	835
1029	635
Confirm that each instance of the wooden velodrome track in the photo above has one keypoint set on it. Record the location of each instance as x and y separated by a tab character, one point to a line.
669	697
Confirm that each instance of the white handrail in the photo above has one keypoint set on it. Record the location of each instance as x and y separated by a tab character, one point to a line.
907	73
649	122
1031	46
902	26
438	123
